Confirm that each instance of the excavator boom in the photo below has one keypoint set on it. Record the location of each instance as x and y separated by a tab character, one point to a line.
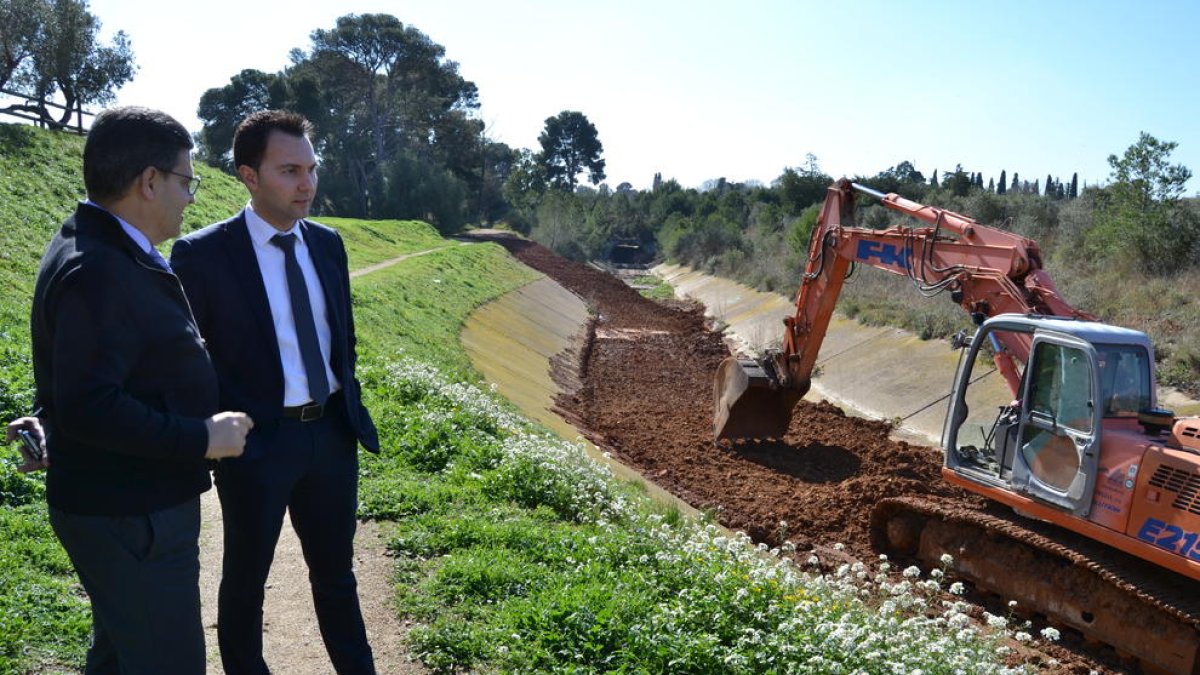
986	270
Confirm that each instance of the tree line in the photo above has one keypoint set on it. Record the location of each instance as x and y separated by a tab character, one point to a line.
759	233
396	127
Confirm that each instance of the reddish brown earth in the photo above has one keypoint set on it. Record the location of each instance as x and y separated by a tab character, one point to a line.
644	394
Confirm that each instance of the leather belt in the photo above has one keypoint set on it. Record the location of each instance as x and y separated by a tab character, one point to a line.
309	412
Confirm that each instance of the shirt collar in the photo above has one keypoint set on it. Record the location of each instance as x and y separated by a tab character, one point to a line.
135	234
261	231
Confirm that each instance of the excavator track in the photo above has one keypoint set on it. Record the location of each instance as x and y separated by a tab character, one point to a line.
1142	611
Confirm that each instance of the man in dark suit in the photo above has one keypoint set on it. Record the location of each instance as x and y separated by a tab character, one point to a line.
271	293
127	397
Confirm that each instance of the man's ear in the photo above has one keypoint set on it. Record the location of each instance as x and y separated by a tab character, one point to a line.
148	181
249	177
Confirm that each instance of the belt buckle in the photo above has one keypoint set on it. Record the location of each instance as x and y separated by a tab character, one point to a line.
310	413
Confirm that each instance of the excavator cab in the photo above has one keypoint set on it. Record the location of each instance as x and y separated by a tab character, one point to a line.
1045	445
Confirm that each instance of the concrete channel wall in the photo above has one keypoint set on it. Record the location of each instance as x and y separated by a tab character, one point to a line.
511	342
882	373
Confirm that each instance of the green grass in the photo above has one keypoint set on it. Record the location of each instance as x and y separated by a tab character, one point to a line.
374	241
516	553
418	306
652	287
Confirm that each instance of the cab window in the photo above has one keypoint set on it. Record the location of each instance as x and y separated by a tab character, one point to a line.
1062	386
1124	379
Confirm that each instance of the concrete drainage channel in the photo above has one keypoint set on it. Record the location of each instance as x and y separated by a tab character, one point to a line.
513	342
881	373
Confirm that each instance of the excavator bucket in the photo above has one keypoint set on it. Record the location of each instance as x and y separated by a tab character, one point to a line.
749	402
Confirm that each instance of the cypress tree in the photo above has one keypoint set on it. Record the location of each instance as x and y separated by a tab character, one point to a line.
1074	191
934	181
992	185
1002	186
1016	183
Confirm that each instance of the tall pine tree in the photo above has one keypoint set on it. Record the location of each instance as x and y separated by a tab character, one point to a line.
1002	186
1074	191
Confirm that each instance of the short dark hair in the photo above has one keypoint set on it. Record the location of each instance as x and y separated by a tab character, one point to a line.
250	139
123	142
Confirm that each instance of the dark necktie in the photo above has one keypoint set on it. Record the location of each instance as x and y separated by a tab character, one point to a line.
306	328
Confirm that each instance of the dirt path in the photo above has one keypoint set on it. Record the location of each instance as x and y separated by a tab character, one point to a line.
646	398
292	641
392	261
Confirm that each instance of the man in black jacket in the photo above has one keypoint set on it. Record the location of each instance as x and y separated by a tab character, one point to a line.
271	292
127	395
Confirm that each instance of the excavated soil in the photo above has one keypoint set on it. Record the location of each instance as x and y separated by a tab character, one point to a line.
644	394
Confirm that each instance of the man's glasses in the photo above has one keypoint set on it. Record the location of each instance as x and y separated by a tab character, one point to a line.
193	182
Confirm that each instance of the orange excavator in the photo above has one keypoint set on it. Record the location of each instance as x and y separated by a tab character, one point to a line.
1095	490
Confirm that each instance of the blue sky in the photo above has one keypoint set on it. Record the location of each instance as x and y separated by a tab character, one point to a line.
699	90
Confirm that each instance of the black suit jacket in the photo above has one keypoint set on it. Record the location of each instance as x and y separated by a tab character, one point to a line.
123	381
220	273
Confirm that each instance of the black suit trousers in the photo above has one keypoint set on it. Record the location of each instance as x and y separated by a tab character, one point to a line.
142	574
310	470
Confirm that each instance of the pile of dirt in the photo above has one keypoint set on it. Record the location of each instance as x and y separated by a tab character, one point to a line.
645	395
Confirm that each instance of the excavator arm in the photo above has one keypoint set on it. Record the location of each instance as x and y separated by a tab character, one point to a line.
986	270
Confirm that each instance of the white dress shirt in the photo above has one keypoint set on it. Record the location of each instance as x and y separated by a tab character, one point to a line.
270	265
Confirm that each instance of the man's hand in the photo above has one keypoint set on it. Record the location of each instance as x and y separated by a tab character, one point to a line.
34	427
227	434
